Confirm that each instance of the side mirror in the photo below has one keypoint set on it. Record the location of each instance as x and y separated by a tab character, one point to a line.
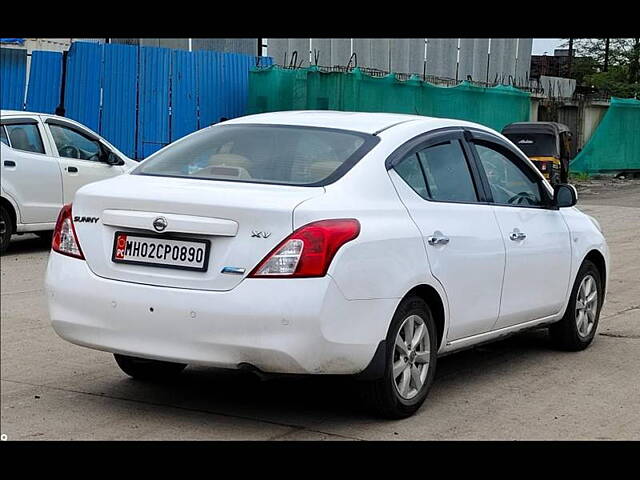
564	195
113	159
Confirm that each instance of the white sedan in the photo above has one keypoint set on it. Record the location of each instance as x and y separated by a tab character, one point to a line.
45	159
363	244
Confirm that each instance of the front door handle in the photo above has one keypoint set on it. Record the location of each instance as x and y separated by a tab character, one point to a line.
9	163
72	169
517	235
437	239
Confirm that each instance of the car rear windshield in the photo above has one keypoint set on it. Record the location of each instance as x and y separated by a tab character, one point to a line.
278	154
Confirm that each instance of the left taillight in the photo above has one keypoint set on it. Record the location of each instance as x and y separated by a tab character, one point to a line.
65	240
308	251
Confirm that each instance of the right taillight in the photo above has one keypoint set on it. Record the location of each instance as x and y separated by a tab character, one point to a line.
308	251
65	240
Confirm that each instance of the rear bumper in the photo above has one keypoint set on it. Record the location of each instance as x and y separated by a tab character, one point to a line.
276	325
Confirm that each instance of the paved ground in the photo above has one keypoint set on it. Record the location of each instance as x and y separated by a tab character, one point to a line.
515	389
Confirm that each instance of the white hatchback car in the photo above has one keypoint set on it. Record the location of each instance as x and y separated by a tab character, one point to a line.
45	159
325	243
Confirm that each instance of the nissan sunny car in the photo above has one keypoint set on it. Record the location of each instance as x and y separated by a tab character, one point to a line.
362	244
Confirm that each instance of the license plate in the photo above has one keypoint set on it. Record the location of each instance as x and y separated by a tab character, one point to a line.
161	251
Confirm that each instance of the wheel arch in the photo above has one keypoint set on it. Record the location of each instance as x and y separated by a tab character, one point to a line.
430	295
597	258
432	298
12	211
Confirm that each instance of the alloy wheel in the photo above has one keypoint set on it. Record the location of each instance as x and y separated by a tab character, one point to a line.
586	306
411	355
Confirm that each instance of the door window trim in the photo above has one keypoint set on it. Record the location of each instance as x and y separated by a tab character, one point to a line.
411	148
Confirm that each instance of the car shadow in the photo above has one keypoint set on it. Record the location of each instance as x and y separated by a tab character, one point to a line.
311	399
26	244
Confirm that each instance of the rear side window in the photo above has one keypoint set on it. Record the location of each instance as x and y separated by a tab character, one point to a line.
3	135
261	153
447	173
439	172
25	137
411	172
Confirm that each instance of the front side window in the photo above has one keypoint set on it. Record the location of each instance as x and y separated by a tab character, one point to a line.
72	144
25	137
509	184
259	153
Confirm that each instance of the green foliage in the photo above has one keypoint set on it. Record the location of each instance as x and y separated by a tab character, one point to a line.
615	81
621	77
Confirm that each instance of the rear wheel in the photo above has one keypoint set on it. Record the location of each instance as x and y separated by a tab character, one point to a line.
578	326
6	229
410	362
145	369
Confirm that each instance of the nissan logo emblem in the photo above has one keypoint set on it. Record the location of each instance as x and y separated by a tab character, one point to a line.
160	224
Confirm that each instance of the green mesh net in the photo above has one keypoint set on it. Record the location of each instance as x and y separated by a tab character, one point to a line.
275	89
615	145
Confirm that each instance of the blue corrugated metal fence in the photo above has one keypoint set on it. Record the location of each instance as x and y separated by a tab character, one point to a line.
138	98
13	68
45	79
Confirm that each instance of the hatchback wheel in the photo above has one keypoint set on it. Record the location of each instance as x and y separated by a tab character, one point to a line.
6	229
578	326
145	369
410	362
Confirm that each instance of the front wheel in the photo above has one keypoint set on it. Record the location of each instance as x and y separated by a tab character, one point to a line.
145	369
578	326
410	362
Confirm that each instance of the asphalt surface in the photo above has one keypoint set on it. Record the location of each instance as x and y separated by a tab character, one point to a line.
519	388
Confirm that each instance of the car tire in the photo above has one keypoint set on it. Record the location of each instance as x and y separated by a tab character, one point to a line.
578	326
394	395
6	229
146	369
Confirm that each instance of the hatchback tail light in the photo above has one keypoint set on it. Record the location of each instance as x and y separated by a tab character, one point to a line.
65	240
308	251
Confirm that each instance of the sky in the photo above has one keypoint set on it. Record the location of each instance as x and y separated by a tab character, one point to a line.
541	45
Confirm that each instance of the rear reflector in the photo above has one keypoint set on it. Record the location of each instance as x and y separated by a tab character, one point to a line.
308	251
65	240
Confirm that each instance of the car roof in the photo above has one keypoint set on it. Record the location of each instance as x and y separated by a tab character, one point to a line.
18	112
365	122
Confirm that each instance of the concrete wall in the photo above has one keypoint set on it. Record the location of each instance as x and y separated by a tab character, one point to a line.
592	115
582	118
510	56
442	56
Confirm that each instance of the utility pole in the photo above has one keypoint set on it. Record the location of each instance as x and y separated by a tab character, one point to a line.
570	57
634	66
606	55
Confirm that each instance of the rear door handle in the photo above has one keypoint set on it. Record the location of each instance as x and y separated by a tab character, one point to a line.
517	235
72	169
437	239
9	163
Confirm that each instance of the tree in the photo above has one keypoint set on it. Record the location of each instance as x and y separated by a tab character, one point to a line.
609	64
